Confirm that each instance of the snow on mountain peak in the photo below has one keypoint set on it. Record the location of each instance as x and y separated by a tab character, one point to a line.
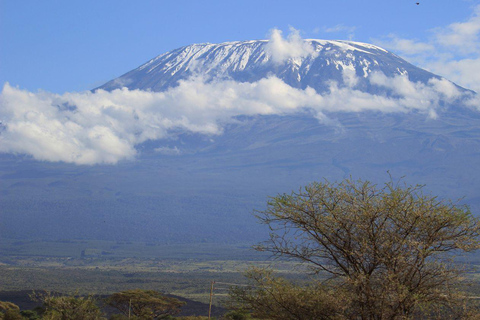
299	63
200	87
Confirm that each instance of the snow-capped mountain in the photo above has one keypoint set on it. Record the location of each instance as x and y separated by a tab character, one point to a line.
190	185
316	64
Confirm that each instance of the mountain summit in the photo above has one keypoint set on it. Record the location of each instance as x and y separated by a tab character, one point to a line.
307	63
214	129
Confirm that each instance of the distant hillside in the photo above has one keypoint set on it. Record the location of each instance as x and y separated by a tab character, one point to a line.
377	114
191	308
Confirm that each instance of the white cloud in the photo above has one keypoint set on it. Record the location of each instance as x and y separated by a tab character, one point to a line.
89	128
280	49
462	36
168	151
465	72
341	28
105	127
452	51
406	46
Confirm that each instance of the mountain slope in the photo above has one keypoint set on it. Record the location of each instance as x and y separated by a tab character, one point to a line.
193	187
210	188
249	61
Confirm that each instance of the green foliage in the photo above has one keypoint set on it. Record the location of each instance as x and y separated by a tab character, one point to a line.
120	317
5	306
30	315
277	299
123	317
70	307
9	311
388	250
239	314
12	314
145	304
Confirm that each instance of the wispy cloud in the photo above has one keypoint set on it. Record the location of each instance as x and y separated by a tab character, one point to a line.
407	46
452	51
341	29
105	127
88	128
281	49
461	36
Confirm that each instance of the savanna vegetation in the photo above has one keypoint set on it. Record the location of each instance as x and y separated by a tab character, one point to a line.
388	253
130	304
355	250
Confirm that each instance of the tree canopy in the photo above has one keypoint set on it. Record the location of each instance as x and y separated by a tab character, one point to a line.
145	304
70	307
387	250
9	311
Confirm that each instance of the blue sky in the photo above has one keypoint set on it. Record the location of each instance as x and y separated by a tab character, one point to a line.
53	51
60	46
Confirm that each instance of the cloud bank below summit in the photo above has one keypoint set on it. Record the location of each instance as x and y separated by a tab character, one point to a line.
104	127
88	128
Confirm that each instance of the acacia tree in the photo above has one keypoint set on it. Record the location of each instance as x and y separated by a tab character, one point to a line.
9	311
274	298
145	304
71	307
389	247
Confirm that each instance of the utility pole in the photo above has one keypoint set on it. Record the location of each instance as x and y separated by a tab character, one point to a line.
211	300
